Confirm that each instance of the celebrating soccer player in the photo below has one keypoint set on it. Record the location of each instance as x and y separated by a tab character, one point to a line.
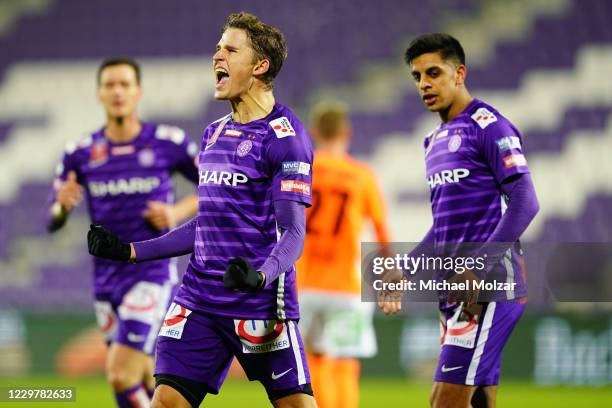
481	191
238	296
336	325
125	169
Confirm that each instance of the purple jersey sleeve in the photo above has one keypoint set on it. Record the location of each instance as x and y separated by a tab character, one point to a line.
291	220
503	151
289	160
178	241
522	208
68	164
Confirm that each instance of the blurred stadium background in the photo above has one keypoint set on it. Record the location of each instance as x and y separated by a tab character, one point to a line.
545	64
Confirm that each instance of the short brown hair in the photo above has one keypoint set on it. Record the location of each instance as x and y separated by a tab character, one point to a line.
328	119
267	41
109	62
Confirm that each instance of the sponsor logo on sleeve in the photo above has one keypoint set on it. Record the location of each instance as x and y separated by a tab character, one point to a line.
514	160
484	117
295	186
171	133
282	127
508	143
98	154
192	149
174	322
296	167
262	336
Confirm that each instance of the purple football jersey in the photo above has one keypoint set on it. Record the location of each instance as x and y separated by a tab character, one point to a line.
119	179
244	168
467	159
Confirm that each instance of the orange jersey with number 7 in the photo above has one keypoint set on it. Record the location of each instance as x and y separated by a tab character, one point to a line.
345	193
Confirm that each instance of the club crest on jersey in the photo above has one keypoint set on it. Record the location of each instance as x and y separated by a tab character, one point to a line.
261	336
244	148
484	117
98	154
282	127
174	322
146	157
454	143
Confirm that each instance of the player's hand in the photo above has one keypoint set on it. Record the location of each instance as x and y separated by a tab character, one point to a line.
70	193
241	276
390	301
469	296
160	215
104	244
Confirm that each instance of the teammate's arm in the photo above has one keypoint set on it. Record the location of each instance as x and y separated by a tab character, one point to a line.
390	302
166	216
67	196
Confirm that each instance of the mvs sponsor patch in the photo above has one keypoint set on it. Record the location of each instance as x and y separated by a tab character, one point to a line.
296	167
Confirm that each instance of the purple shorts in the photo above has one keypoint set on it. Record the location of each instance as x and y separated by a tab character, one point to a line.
134	318
200	347
473	339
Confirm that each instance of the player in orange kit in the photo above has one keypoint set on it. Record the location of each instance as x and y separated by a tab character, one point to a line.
336	325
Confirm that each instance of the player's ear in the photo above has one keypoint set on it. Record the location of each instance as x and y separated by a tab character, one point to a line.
98	95
261	67
461	73
140	92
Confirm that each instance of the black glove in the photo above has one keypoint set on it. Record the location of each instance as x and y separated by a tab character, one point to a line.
240	275
104	244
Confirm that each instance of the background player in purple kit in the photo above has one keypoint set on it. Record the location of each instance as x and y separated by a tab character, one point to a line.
481	191
125	169
238	296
